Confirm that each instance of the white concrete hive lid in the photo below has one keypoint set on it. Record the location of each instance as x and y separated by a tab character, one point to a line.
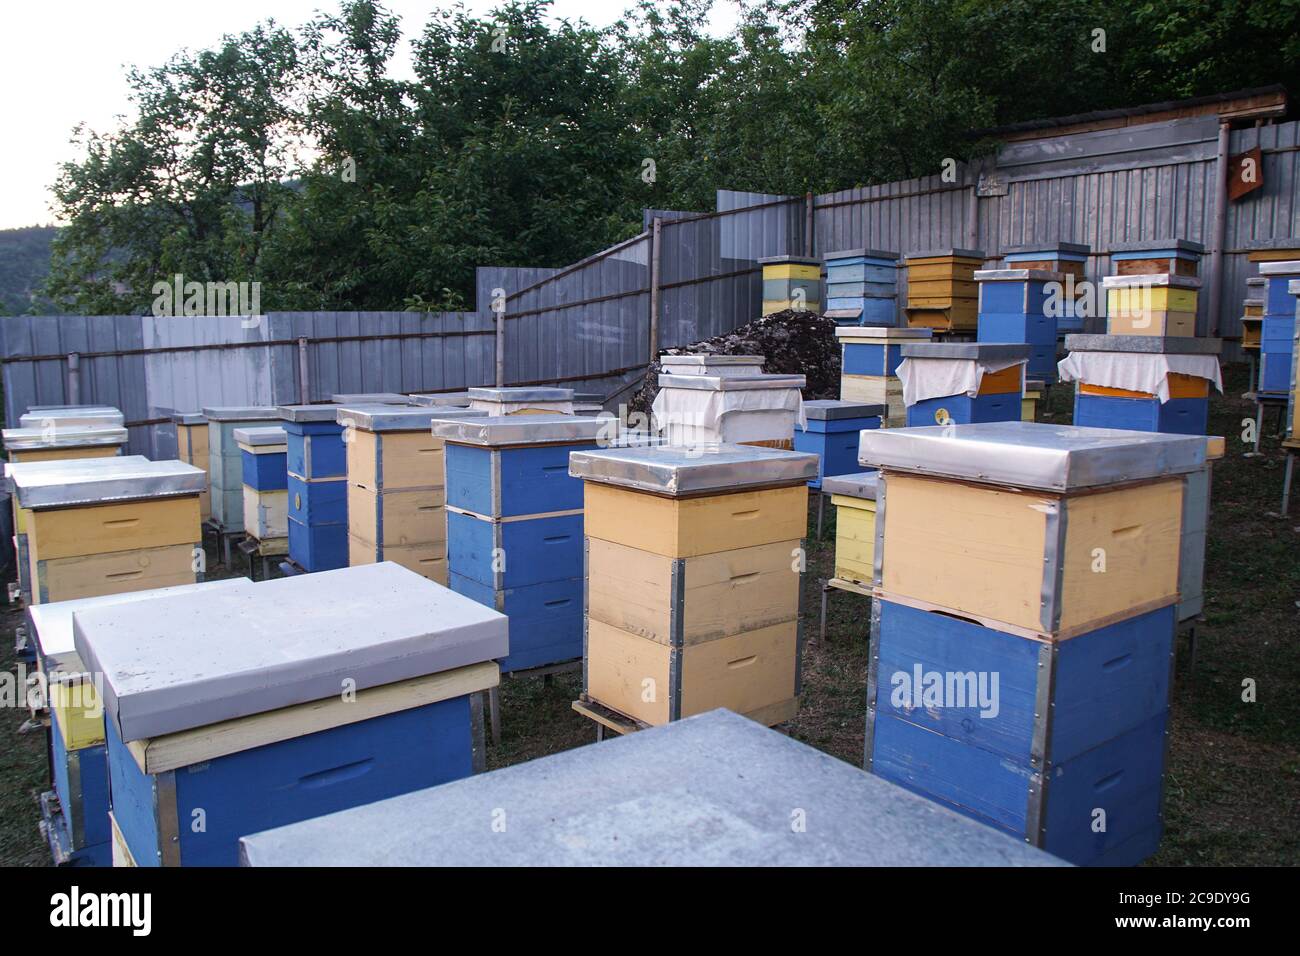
880	334
115	482
63	436
836	409
441	399
327	412
188	418
715	789
1018	275
501	430
1060	458
39	415
397	418
731	383
1158	280
51	624
860	485
261	436
1158	344
974	351
70	466
370	398
516	394
241	413
1287	267
1159	245
676	471
190	661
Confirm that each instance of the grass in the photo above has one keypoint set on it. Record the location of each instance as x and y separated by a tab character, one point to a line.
1233	780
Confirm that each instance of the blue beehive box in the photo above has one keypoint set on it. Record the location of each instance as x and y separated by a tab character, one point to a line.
862	287
515	528
999	394
75	812
368	682
1024	306
1038	704
318	486
1277	340
832	434
265	458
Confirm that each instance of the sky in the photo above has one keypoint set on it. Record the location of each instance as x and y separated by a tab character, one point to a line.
62	62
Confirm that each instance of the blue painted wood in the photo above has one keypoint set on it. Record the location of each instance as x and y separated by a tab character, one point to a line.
297	779
321	547
131	800
964	410
1157	254
545	619
315	449
1275	374
861	271
860	289
533	479
318	502
1066	324
92	806
1277	300
1044	256
859	359
1179	416
882	312
1029	296
265	472
469	478
1017	327
1042	363
837	450
534	550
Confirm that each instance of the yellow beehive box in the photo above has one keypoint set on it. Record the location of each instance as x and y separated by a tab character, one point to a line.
1139	301
397	518
854	498
103	529
1029	402
394	460
791	268
1275	250
63	454
1156	322
923	291
884	390
192	448
118	572
428	560
1179	385
961	315
1037	529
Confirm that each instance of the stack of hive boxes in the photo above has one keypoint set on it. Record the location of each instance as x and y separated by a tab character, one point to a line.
226	461
1070	259
962	382
941	290
1177	257
693	581
1293	400
1033	396
1277	346
706	399
74	813
791	282
521	401
1151	304
862	287
108	525
317	467
191	739
1043	734
1252	314
514	526
854	498
192	448
396	486
1020	306
266	486
869	368
831	433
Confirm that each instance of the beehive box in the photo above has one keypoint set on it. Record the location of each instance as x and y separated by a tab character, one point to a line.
514	526
737	409
1277	338
719	365
854	498
1041	729
396	486
108	529
225	471
1160	305
1293	402
645	800
1180	257
1069	258
1274	250
1033	396
63	442
317	486
266	483
44	416
75	810
521	401
993	374
1023	306
192	448
693	569
869	367
862	287
831	433
941	289
1256	290
1130	382
791	282
300	697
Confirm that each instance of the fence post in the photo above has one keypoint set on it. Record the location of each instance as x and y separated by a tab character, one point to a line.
74	378
499	310
304	391
808	224
1219	229
656	238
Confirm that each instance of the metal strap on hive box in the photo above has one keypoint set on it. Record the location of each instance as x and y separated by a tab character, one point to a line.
75	814
1040	748
873	682
676	637
167	818
1053	567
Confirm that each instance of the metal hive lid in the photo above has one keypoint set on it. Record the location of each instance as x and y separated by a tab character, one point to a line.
935	253
440	399
731	383
1156	280
279	643
261	436
241	413
188	418
495	430
1069	248
1156	245
124	482
974	351
700	361
789	260
676	470
1288	267
834	409
1162	344
1060	458
860	253
397	418
309	413
63	436
370	398
860	485
69	466
519	394
39	415
881	334
1018	275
